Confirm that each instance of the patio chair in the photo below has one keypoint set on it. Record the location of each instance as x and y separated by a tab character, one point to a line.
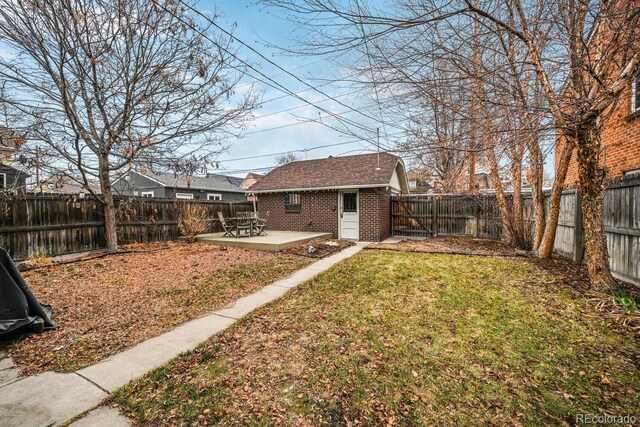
259	225
228	227
244	222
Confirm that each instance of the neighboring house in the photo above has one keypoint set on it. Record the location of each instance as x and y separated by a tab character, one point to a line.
346	196
419	181
145	183
248	181
65	185
10	177
620	138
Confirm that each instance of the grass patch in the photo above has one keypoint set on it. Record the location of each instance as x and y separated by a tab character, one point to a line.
409	339
630	303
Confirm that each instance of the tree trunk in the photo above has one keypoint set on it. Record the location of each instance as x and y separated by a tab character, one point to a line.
500	197
472	174
549	238
108	204
588	147
537	194
517	215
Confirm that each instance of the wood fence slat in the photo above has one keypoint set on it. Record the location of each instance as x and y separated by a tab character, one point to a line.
60	225
463	215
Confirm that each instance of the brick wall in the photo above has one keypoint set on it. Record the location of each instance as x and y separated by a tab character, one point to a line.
375	214
621	136
319	212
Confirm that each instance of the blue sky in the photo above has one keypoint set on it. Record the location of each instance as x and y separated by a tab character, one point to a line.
260	27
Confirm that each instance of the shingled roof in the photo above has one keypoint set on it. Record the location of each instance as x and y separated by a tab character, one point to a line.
357	171
208	182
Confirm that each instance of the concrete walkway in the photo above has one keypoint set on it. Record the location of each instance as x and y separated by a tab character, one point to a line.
52	399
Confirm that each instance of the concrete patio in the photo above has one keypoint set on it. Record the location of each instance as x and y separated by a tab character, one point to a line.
274	240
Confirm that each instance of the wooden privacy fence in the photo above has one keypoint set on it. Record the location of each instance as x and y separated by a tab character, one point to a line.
58	225
621	215
451	215
461	215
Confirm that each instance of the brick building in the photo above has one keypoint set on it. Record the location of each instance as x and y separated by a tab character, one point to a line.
346	196
248	181
620	139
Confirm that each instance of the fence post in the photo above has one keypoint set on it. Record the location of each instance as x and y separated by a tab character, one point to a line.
391	215
434	215
578	232
477	215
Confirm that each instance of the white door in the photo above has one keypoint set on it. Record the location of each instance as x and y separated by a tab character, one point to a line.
349	223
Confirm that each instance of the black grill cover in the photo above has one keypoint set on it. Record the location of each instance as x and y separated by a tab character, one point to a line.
20	311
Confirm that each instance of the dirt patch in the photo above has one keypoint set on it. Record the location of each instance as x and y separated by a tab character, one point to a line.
319	248
453	245
105	305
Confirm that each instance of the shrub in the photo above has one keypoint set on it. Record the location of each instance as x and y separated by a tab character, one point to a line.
193	219
38	259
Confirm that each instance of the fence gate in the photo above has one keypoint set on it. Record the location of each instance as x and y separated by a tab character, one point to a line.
450	215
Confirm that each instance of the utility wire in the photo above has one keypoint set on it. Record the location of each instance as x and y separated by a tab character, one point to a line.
373	79
278	85
300	150
251	48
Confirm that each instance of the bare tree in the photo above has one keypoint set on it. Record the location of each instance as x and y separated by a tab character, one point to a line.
582	54
283	159
101	84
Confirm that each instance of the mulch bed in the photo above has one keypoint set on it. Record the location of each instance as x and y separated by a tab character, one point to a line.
574	278
453	245
106	304
319	248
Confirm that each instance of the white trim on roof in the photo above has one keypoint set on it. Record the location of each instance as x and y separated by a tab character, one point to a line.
223	190
402	178
339	187
148	177
141	174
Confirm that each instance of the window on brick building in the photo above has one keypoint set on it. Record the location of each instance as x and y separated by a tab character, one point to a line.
292	202
635	94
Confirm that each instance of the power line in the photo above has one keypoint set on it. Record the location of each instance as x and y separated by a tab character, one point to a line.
251	48
373	79
300	150
280	86
306	105
296	123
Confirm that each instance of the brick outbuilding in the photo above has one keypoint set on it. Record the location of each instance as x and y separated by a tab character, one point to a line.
620	138
346	196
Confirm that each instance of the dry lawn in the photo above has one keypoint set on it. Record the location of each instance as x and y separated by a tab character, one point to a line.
401	338
105	305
